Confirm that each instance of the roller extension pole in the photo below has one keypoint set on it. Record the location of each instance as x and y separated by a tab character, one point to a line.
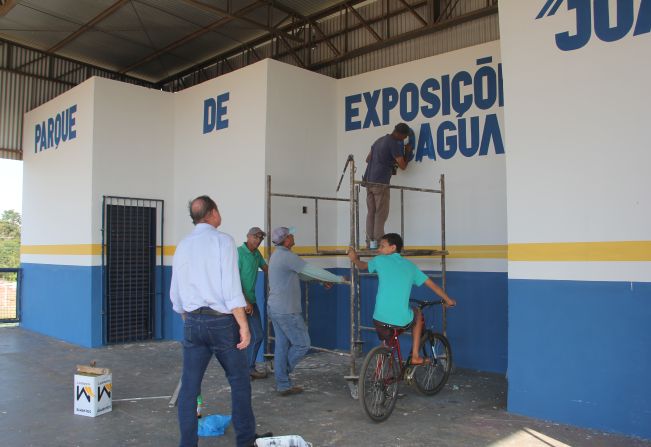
353	279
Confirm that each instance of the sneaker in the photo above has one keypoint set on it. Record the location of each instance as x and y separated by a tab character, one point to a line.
372	245
255	374
289	391
262	436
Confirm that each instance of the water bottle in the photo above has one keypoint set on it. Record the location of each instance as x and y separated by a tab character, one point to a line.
199	405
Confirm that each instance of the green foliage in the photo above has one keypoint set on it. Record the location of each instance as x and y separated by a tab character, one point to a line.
10	239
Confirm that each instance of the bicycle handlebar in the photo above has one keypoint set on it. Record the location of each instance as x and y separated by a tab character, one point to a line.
423	304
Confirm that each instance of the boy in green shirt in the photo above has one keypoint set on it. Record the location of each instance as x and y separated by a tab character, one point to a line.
396	276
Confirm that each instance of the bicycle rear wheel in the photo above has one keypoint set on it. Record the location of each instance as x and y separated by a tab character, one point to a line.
378	383
431	377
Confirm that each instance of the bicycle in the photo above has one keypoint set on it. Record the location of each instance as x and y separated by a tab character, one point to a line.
383	369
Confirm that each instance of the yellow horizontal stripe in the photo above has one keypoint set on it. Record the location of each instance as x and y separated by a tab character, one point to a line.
79	249
582	251
552	251
72	249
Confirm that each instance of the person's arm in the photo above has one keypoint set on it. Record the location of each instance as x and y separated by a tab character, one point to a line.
311	272
245	335
248	309
230	275
265	268
440	292
354	257
368	157
402	158
175	290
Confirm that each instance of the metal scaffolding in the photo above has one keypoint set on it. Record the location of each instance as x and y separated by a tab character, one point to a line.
355	290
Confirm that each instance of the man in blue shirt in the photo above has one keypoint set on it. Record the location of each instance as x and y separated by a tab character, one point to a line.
385	153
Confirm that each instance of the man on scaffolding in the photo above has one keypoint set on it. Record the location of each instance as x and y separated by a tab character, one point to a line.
386	153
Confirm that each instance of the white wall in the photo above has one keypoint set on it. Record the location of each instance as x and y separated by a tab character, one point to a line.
133	147
475	186
301	154
578	163
57	182
227	164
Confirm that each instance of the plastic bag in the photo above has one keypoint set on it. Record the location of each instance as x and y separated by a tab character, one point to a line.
213	425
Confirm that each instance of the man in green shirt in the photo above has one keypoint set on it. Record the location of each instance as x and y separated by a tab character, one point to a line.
396	276
249	261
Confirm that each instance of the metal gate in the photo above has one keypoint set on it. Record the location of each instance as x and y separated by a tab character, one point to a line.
130	236
10	295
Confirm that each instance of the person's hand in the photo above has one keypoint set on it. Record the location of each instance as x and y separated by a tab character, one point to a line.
408	147
245	338
248	309
183	316
327	285
449	302
352	254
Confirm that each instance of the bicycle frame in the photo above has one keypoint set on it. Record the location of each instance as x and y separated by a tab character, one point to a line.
394	345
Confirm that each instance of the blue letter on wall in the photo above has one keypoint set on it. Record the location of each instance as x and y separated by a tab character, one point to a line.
209	109
221	111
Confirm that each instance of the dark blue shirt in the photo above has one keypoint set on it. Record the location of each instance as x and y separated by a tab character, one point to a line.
383	155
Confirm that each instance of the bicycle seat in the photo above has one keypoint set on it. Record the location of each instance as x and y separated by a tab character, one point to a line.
387	332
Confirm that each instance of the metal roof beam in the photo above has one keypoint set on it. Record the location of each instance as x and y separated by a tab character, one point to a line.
241	18
358	26
364	22
260	40
189	37
292	12
413	11
438	26
98	18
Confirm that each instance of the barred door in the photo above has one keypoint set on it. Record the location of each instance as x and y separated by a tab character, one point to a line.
130	268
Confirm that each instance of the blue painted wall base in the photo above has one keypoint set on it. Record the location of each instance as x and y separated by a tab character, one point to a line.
579	353
65	302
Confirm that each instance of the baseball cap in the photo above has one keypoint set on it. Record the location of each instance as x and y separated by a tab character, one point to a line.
278	235
256	231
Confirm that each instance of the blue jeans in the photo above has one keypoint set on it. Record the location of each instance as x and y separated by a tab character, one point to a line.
291	344
203	336
255	326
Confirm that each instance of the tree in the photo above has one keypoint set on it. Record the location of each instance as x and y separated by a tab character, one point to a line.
10	239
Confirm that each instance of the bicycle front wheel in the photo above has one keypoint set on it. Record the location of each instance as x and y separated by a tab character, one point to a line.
432	376
378	383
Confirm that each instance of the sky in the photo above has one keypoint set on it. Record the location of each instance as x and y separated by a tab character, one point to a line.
11	185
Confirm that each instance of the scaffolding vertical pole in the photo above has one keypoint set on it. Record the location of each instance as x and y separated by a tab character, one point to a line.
443	248
267	255
402	215
357	190
358	335
353	280
316	224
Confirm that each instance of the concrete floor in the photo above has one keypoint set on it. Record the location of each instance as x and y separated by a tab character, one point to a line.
36	382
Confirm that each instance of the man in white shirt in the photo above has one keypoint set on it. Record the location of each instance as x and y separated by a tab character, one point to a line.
206	291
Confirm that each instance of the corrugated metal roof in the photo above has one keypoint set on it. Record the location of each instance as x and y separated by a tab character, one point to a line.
179	43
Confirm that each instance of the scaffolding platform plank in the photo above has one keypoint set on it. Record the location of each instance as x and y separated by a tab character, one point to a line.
368	253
